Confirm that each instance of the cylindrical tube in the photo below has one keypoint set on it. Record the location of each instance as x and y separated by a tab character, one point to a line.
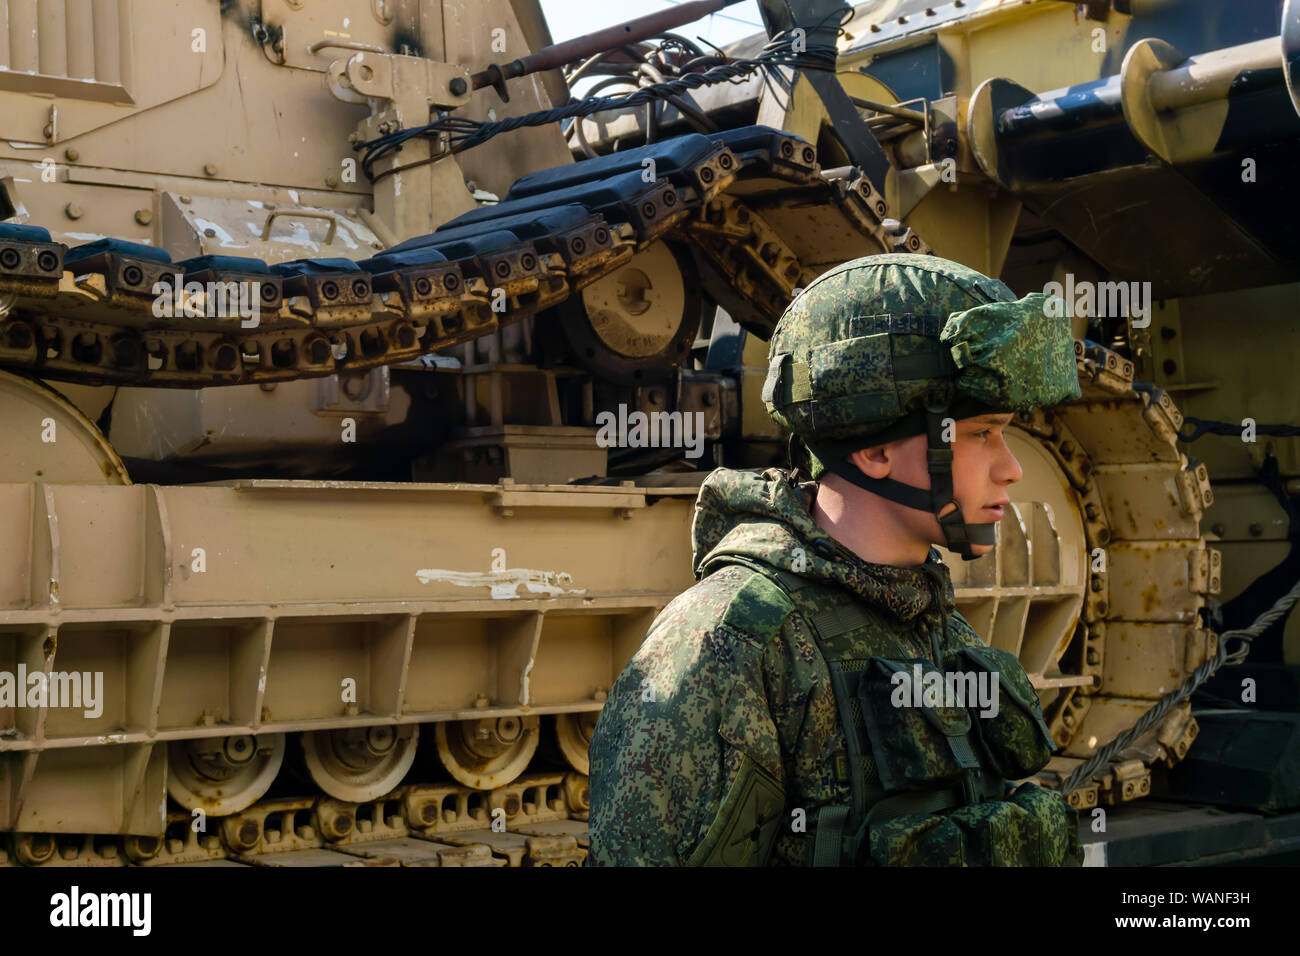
1210	76
633	31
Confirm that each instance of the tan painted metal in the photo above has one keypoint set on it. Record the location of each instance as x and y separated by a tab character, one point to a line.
488	752
573	734
637	310
273	584
50	439
288	589
346	615
357	764
223	775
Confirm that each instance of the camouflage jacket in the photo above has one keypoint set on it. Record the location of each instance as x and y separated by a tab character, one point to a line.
719	682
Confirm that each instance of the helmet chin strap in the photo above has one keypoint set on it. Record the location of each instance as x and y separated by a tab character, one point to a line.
958	536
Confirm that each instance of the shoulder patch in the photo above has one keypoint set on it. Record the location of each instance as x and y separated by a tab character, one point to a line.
758	607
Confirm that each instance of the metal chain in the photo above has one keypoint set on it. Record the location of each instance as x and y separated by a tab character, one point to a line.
1203	426
1198	677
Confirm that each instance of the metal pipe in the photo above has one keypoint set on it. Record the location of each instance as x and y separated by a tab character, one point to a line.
532	22
1202	79
914	117
1209	76
579	48
1065	108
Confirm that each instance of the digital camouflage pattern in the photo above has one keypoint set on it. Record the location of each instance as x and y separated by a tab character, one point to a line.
1014	831
1011	355
858	352
729	676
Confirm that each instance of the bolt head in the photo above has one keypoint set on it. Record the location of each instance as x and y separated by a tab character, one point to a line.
209	169
143	216
72	210
72	155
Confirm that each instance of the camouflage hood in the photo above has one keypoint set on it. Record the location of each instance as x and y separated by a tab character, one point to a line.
766	518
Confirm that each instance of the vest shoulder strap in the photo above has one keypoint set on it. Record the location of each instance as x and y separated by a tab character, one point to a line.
840	615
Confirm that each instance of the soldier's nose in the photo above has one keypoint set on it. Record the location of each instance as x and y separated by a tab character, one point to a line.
1008	471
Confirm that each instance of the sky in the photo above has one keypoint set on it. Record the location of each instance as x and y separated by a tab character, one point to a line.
571	18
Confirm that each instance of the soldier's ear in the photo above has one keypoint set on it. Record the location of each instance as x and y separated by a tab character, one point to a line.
873	462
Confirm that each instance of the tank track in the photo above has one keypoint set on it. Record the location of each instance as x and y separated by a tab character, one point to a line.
537	820
86	314
1141	502
759	217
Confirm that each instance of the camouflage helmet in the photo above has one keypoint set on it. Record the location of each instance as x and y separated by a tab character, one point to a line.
887	346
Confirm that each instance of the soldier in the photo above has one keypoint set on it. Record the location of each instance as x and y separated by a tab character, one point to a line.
773	713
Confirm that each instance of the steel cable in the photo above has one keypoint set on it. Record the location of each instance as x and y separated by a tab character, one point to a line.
1198	677
464	133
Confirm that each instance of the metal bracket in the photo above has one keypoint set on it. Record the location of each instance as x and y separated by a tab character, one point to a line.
412	84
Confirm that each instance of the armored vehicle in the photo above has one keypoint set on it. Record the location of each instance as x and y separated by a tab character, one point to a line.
361	359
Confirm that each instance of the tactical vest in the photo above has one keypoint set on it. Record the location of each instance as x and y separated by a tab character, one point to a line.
928	783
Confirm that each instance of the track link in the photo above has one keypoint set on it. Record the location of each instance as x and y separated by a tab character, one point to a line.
89	314
537	820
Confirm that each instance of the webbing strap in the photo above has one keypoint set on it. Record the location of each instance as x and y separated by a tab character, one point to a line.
982	786
788	581
958	535
931	364
800	382
788	380
906	323
891	488
921	801
829	839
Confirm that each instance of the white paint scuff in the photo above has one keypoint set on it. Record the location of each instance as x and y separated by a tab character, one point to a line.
524	689
505	585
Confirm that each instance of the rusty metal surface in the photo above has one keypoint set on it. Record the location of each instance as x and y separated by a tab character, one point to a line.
527	823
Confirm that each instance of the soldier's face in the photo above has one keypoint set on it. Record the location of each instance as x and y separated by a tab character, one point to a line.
983	468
